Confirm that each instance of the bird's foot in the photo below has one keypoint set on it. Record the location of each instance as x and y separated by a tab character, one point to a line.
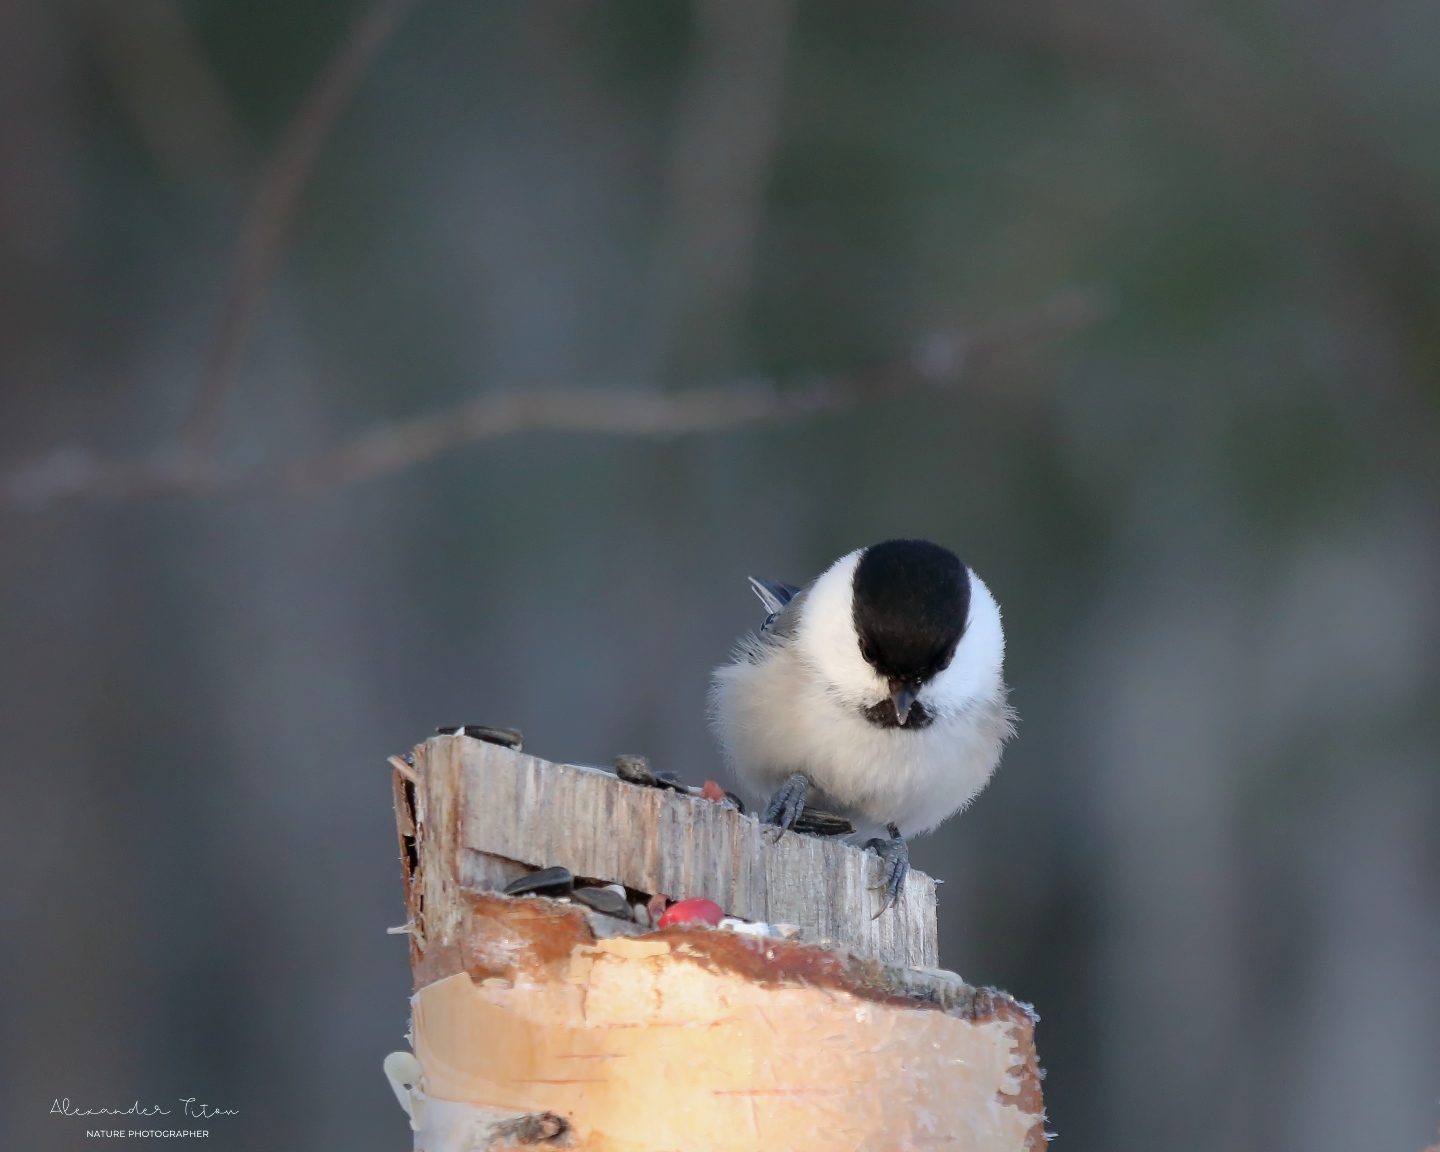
895	855
787	803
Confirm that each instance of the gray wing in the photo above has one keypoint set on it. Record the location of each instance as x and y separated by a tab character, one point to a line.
773	594
782	603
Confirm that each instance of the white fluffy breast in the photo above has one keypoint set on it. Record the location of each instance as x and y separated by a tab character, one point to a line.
794	704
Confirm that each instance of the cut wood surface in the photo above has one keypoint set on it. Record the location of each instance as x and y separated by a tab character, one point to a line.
541	1022
499	803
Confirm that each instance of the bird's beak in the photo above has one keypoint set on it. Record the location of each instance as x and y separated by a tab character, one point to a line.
903	698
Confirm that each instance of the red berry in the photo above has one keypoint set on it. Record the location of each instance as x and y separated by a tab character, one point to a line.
696	910
712	791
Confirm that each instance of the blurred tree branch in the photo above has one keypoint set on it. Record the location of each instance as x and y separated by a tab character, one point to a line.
1375	217
167	85
165	82
262	234
724	135
938	363
721	155
707	192
940	360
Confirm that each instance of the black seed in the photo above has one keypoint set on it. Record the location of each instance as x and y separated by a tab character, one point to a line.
555	881
670	780
605	900
636	770
505	737
813	822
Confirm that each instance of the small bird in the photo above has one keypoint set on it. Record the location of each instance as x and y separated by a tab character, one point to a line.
875	692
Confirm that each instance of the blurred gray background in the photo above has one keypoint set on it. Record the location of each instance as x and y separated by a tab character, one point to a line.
1211	515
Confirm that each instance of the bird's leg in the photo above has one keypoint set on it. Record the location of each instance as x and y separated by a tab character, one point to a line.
896	857
787	803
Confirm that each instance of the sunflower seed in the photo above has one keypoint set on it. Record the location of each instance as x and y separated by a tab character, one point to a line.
555	881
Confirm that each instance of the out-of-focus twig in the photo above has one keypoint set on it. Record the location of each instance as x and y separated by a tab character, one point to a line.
135	51
1175	50
939	362
170	89
71	472
1373	215
271	208
721	155
941	359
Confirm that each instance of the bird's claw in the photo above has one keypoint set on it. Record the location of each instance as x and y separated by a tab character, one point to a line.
895	855
787	803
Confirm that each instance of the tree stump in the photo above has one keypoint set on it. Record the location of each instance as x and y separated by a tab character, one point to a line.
802	1022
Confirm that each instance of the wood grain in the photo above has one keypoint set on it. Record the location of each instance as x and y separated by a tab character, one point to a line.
478	798
533	1015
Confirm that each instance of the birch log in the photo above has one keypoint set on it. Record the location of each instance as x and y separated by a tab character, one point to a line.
537	1022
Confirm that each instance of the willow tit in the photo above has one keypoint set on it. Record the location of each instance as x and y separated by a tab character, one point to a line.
875	692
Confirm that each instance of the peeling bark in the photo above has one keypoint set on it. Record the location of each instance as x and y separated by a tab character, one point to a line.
539	1022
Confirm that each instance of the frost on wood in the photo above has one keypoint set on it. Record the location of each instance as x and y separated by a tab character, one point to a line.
540	1022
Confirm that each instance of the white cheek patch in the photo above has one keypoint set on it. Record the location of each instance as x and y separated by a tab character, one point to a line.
827	643
976	671
827	640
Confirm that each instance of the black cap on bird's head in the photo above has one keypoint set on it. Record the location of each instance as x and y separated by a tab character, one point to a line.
911	601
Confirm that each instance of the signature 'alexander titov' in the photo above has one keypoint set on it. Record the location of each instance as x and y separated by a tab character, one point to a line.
189	1105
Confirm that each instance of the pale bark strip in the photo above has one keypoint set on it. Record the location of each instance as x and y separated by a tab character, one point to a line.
536	1020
